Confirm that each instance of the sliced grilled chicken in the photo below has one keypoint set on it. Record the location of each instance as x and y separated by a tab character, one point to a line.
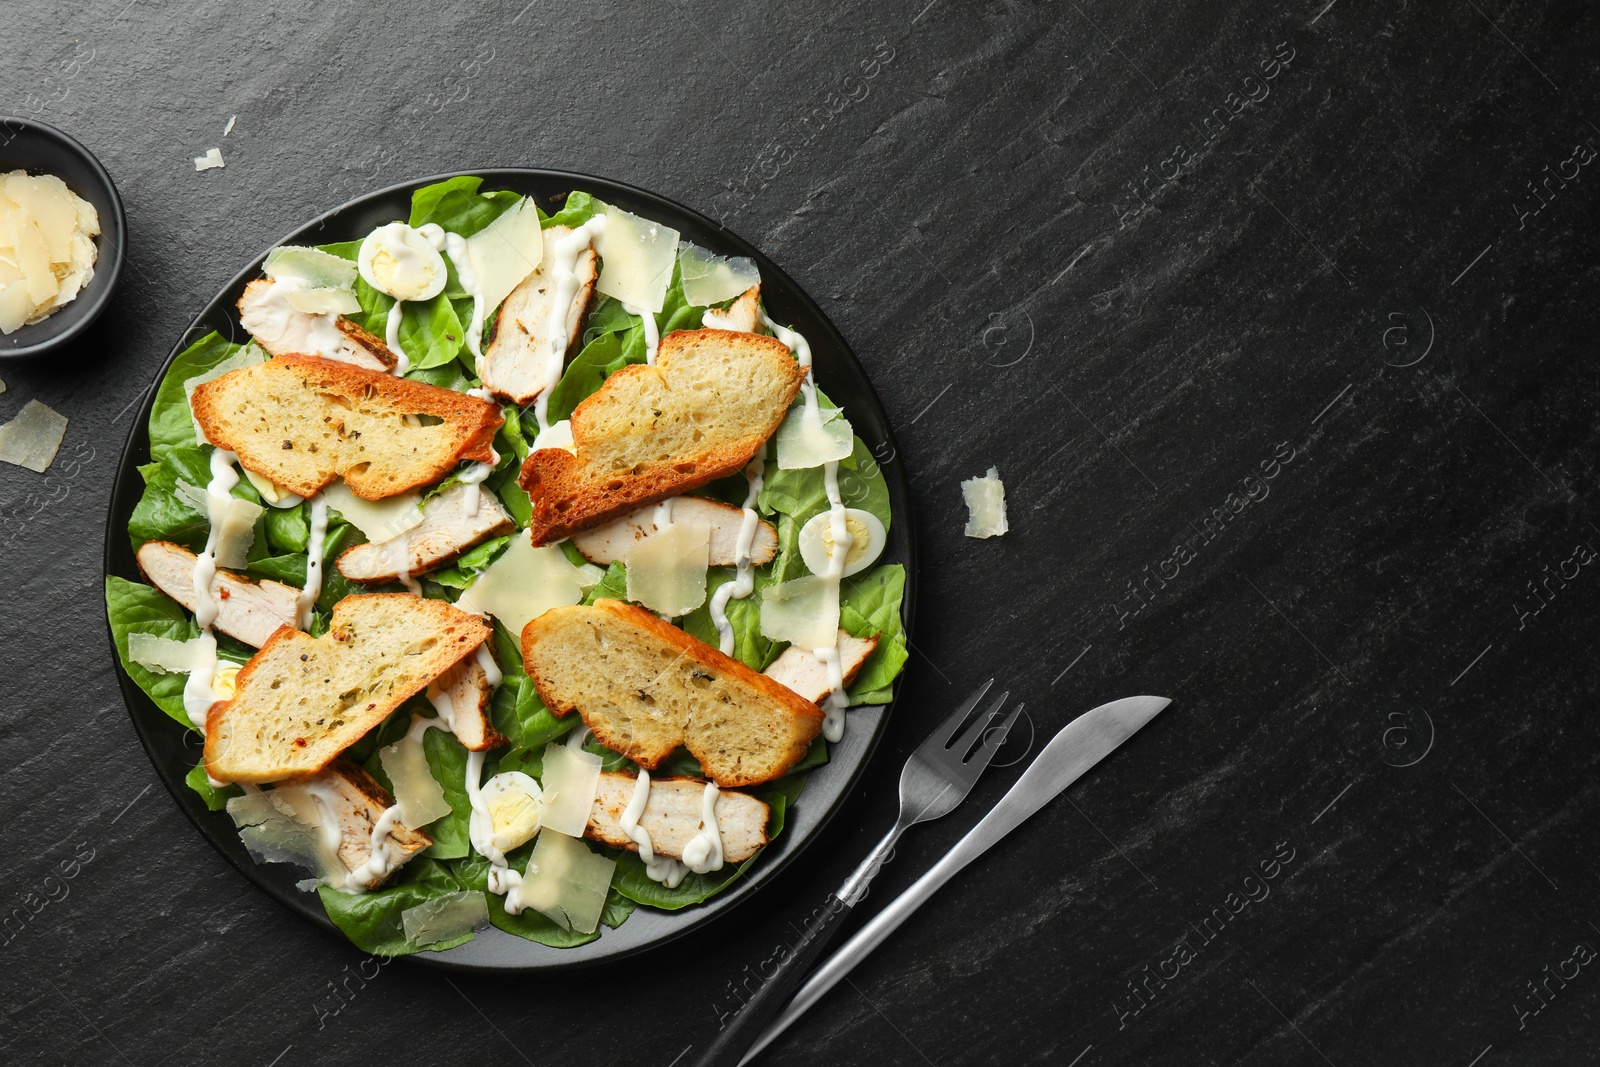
513	366
355	801
281	329
247	610
469	690
603	544
742	316
672	816
447	529
800	670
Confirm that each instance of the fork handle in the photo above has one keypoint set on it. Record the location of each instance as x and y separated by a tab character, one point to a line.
794	963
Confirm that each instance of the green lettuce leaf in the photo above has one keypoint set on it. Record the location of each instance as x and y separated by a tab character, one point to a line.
135	608
871	605
216	799
372	921
578	208
458	207
171	425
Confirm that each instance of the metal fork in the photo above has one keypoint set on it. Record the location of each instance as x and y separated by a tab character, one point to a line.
936	778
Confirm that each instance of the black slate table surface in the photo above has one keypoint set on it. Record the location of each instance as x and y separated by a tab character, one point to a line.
1277	320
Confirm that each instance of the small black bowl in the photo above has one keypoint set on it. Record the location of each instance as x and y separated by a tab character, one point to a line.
33	146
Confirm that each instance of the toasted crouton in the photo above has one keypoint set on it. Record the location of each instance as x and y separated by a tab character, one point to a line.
281	330
650	432
246	610
608	543
800	670
301	422
672	817
302	700
645	687
447	529
515	362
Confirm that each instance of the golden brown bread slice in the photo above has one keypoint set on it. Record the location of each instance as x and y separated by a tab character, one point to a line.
246	609
799	668
608	543
514	362
302	700
448	528
282	330
645	687
672	816
301	422
651	432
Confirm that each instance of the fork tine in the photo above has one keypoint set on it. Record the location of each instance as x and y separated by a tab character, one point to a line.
980	759
948	728
979	726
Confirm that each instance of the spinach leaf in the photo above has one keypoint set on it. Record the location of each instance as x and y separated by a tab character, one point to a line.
171	425
430	332
457	206
216	799
871	604
801	494
578	208
287	529
135	608
447	759
749	646
372	921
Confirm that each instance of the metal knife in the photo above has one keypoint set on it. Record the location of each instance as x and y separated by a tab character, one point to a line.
1081	744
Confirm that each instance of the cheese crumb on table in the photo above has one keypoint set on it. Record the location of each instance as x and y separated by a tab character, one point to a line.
986	505
210	161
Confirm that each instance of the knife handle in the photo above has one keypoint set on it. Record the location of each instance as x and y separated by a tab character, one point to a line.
793	966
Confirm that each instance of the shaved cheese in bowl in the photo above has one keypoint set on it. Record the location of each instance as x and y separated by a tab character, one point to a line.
804	612
506	251
523	584
380	520
710	279
565	882
47	251
33	437
571	779
811	436
418	793
986	505
667	570
445	917
636	259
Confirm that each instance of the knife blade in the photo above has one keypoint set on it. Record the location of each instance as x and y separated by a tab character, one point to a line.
1079	745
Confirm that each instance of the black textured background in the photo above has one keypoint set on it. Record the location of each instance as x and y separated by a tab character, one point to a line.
1348	270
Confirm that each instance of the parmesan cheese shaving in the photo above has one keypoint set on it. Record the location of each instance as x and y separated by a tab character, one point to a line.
210	161
419	795
235	521
710	279
986	505
506	251
380	520
47	251
804	612
318	269
523	584
667	570
571	778
324	301
163	655
273	832
445	917
32	438
636	259
564	882
810	437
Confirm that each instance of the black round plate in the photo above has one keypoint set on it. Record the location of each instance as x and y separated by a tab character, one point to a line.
39	148
175	751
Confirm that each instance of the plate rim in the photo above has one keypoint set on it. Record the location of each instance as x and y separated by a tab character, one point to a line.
146	717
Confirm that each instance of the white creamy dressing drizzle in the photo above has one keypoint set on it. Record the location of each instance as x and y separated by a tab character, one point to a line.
274	313
455	246
703	853
197	694
474	475
313	587
834	706
744	580
391	337
561	267
652	332
579	737
716	320
669	872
